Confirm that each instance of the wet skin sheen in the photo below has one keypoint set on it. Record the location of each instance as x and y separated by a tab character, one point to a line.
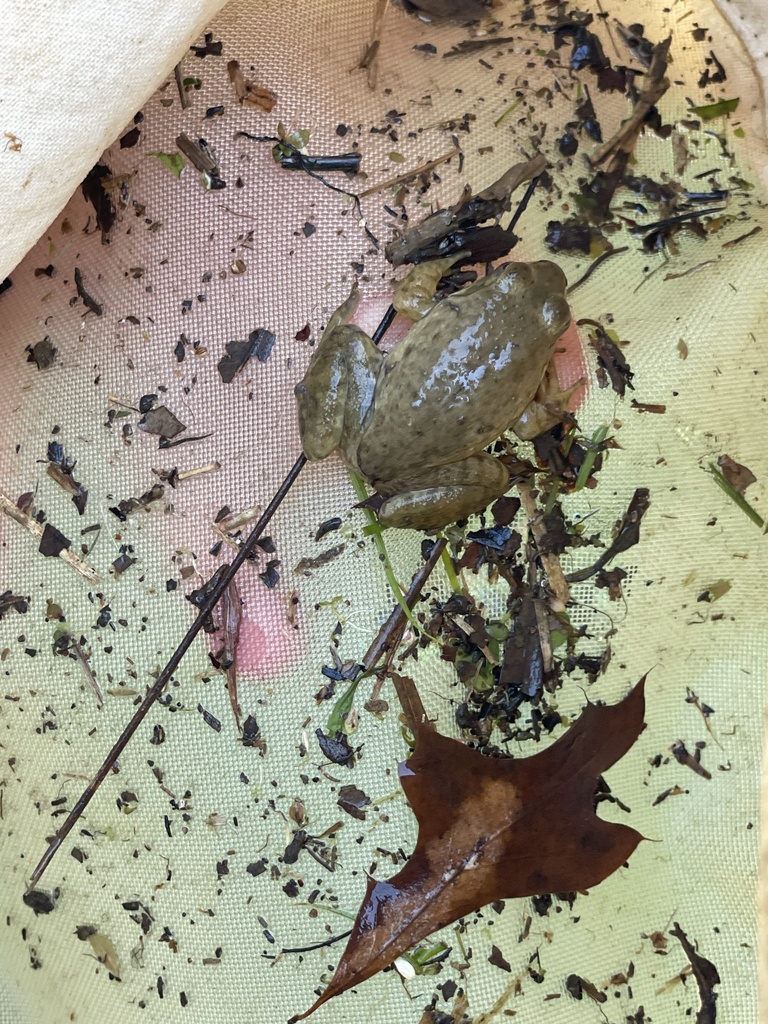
414	423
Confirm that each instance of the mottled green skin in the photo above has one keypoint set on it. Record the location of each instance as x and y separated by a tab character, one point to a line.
414	423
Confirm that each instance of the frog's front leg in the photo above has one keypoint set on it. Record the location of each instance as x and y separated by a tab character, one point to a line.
336	393
442	494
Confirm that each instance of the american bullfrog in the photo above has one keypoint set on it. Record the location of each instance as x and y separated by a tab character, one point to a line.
414	422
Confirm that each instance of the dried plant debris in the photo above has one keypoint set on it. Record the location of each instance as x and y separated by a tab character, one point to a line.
128	506
738	476
100	198
53	542
706	975
61	469
202	157
455	230
259	345
9	600
485	833
247	92
160	420
88	299
613	368
42	353
354	801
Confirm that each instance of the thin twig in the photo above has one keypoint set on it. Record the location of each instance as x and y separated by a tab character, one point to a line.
400	179
206	608
180	86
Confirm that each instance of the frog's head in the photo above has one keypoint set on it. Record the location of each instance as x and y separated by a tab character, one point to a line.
541	287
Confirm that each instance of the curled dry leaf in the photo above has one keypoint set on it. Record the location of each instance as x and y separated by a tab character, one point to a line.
493	828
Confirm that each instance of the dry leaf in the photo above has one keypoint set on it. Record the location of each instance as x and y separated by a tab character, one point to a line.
494	828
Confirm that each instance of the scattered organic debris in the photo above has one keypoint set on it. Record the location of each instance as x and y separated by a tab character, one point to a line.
485	833
203	159
259	344
42	353
103	948
61	468
247	92
706	975
101	199
88	299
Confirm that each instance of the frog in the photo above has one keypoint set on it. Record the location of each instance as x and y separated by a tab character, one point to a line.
414	423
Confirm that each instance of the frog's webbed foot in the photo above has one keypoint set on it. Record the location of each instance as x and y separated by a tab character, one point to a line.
548	406
432	499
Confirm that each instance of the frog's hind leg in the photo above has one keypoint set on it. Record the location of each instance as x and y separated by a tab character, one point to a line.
443	494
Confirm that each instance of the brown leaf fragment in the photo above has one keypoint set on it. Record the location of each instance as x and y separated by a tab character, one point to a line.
610	580
354	801
706	975
738	476
612	363
10	600
494	828
306	565
683	756
497	959
336	748
578	987
657	409
247	92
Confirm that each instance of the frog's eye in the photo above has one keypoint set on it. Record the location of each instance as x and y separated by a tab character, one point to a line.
300	390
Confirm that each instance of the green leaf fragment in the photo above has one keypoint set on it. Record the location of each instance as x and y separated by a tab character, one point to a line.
738	499
341	709
709	111
173	161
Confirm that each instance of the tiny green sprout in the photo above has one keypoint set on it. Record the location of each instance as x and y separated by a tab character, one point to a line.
593	449
426	960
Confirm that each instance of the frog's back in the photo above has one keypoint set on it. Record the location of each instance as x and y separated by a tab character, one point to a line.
466	372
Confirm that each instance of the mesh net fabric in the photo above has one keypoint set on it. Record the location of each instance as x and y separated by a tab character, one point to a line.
196	934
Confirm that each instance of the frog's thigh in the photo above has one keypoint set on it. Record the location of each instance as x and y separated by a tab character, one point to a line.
443	494
342	373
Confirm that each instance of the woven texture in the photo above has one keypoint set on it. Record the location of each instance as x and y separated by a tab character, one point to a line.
196	934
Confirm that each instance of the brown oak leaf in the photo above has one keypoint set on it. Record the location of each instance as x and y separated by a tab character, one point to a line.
491	829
